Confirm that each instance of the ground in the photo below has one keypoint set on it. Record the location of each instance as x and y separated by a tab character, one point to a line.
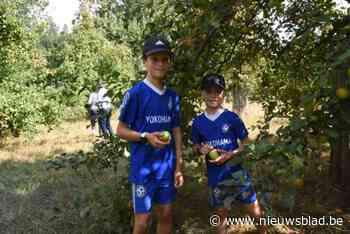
35	199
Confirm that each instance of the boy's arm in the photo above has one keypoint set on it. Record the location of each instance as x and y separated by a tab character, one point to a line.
195	149
124	132
241	145
202	149
178	147
227	155
179	179
198	146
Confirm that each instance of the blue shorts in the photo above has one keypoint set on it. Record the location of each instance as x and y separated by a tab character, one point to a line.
145	196
235	187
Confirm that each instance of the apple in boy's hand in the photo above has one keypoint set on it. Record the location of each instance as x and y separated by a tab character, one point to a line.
213	154
165	136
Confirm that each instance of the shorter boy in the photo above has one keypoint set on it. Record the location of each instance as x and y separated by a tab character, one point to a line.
221	129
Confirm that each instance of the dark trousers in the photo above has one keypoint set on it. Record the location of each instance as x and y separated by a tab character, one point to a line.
93	118
104	119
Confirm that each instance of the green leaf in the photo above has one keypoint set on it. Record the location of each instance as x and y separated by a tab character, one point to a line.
341	58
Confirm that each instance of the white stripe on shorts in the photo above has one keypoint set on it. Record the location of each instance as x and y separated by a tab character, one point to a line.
133	197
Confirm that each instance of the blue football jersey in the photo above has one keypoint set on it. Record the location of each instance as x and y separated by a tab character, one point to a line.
146	110
220	133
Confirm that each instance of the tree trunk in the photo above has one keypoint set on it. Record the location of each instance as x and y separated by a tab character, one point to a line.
340	146
239	99
340	161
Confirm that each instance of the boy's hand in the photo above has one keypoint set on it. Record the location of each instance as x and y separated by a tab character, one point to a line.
155	141
224	156
179	179
204	149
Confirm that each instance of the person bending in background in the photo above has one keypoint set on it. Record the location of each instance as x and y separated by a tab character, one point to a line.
92	106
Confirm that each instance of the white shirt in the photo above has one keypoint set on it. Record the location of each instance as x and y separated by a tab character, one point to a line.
101	93
93	100
105	103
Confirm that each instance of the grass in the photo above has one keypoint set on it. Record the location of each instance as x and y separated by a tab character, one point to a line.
36	200
68	137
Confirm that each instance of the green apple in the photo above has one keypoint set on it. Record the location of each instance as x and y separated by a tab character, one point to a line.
342	93
213	154
165	136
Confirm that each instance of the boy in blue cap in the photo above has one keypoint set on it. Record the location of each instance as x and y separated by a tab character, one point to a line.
148	110
222	130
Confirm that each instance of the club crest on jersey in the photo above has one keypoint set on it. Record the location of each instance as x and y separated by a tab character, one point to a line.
225	128
216	192
140	191
170	104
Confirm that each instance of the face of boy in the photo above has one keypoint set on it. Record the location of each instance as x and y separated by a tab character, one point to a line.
213	97
157	65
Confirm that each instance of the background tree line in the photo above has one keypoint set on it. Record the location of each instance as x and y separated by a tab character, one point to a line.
292	56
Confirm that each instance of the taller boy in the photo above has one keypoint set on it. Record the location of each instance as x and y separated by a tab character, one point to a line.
149	109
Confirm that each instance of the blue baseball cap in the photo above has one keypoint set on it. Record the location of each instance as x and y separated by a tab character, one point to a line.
213	80
156	44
